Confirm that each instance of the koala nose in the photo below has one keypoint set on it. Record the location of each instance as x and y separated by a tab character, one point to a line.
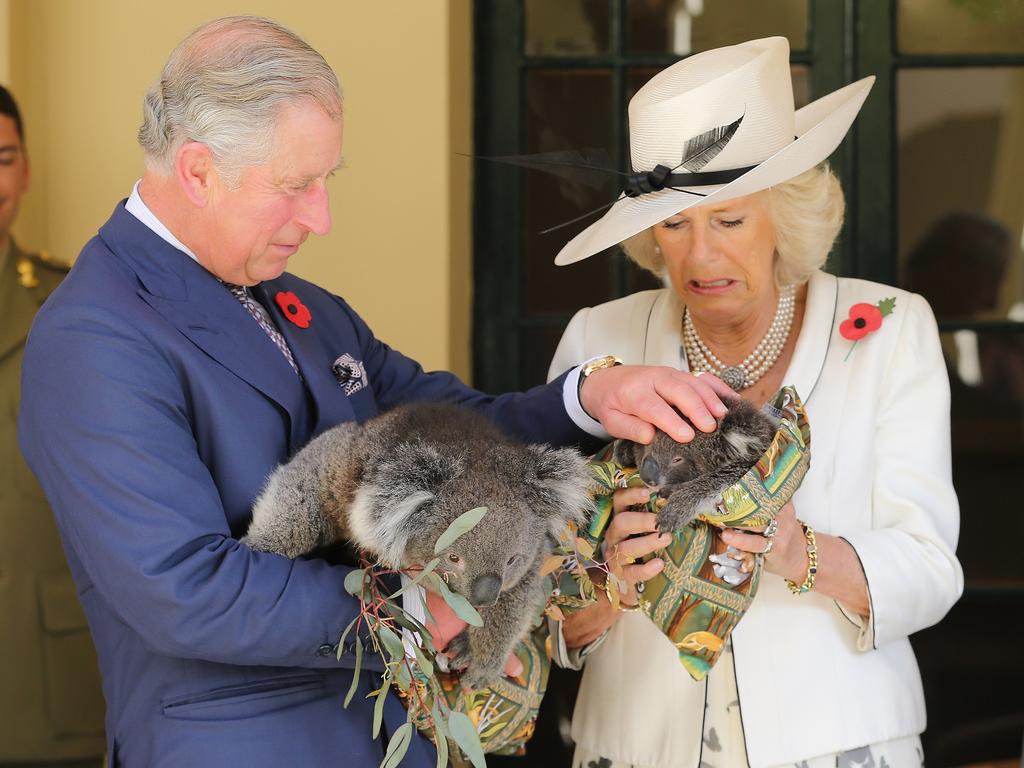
485	589
650	473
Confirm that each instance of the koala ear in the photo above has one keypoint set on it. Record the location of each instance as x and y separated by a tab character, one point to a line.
398	484
624	452
560	485
741	444
382	523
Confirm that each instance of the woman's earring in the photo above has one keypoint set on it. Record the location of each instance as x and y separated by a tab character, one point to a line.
657	249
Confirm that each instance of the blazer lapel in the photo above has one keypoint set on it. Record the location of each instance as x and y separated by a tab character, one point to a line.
205	312
815	334
314	350
663	335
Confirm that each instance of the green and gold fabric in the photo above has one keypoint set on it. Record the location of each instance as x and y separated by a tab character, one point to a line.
689	600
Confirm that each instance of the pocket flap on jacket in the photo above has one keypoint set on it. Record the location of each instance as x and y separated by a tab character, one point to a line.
59	604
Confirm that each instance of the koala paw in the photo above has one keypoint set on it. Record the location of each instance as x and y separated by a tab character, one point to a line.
458	651
678	512
476	672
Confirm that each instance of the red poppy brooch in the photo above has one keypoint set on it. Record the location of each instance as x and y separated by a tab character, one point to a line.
865	319
293	309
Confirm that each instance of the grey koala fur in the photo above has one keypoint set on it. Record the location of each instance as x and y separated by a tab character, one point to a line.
394	484
693	475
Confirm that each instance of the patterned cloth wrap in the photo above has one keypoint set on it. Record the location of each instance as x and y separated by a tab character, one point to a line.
693	606
689	600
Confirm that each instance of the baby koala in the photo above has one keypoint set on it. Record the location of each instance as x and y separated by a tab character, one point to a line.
394	484
693	475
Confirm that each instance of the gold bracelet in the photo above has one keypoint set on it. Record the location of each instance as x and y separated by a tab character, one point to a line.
812	563
622	606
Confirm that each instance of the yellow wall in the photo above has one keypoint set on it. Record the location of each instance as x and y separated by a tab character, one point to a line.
399	251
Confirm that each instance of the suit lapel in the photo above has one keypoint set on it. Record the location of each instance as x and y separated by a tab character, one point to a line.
19	305
663	342
314	351
815	333
205	312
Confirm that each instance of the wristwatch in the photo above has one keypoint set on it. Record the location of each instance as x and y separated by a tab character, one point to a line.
608	361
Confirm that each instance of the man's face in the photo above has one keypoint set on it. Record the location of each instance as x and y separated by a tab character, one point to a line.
252	230
13	175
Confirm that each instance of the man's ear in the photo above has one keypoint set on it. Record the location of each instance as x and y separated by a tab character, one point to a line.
193	167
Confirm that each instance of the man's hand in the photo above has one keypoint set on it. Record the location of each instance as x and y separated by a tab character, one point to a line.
448	625
628	399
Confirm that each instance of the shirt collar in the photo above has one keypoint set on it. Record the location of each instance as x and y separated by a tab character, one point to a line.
137	208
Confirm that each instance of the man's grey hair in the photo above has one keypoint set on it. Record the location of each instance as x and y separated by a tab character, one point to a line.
224	86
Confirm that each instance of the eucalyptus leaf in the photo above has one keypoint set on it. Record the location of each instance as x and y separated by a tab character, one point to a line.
398	746
427	570
341	640
465	735
355	675
439	722
378	708
426	667
460	605
402	677
354	581
460	525
392	642
442	749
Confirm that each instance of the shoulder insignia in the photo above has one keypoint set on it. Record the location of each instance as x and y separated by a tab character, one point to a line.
27	272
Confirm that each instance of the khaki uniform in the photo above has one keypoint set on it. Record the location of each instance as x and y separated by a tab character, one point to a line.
51	705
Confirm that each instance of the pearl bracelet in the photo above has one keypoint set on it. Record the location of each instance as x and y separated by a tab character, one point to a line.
812	563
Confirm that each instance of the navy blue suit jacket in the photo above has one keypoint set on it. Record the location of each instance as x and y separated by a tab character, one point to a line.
153	408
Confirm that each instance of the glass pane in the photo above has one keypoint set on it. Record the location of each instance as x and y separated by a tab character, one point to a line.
960	26
986	372
566	27
566	110
689	26
537	347
960	189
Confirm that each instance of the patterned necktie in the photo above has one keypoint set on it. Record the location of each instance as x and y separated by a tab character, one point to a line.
259	314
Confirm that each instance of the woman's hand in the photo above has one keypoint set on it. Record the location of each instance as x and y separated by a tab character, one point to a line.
840	574
584	627
788	555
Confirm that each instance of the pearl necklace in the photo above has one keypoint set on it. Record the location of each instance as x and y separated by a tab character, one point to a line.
755	365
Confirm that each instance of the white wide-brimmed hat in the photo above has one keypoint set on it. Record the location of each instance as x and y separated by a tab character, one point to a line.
716	126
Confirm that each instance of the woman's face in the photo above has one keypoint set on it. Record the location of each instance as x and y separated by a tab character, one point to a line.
720	257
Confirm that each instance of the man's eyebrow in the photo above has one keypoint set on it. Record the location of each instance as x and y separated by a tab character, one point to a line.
9	148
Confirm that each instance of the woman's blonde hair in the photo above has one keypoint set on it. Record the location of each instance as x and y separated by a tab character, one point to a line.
807	214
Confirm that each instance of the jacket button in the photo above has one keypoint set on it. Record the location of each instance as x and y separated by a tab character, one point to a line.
325	650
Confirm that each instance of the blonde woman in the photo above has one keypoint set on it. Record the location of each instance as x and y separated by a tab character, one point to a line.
732	206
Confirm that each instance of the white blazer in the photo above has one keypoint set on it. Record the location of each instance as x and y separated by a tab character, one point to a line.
812	678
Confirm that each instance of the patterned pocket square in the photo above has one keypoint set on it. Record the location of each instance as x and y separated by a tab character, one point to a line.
350	373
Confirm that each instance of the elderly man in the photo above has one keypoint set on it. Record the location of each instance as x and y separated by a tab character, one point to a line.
178	364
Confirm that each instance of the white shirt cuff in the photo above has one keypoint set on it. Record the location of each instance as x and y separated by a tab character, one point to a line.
571	399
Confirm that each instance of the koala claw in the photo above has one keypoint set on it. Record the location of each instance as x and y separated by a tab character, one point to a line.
458	651
476	673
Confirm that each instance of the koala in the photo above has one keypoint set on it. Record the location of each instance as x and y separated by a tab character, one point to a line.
394	484
693	475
